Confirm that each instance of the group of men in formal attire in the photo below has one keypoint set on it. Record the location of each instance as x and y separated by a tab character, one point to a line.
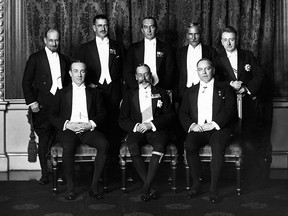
144	92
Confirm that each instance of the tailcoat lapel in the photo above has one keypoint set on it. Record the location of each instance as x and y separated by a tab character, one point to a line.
194	101
45	63
89	97
217	98
159	53
154	91
135	100
68	97
228	66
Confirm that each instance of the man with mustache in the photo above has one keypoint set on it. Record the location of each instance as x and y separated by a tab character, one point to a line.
146	115
104	60
45	73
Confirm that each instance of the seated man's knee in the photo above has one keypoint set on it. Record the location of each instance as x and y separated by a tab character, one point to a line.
134	150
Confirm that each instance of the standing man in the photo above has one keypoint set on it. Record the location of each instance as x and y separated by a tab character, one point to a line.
187	76
206	113
187	58
104	60
240	69
46	71
146	115
153	52
77	113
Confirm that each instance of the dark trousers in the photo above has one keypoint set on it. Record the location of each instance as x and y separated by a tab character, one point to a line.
158	140
70	140
46	134
112	96
217	139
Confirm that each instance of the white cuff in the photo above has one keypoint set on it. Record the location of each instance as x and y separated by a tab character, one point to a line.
189	130
215	125
153	127
135	128
93	125
64	126
32	103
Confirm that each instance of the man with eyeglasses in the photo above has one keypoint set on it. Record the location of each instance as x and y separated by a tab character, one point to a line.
146	116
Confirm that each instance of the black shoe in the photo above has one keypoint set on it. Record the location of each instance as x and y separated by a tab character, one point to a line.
145	197
95	195
154	195
214	198
195	191
43	180
70	196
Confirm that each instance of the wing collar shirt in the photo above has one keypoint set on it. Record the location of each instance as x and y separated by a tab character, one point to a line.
193	56
233	59
145	101
54	63
150	58
205	104
103	50
79	106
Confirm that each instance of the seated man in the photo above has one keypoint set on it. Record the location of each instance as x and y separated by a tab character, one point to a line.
206	113
146	115
77	112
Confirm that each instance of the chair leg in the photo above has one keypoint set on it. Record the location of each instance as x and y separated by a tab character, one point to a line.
54	175
187	174
123	174
105	180
173	174
238	173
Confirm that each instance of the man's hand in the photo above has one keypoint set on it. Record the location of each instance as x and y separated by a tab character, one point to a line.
208	127
142	128
195	128
78	127
236	85
92	85
241	90
35	107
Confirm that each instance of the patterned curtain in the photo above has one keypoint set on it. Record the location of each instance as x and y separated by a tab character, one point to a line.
254	20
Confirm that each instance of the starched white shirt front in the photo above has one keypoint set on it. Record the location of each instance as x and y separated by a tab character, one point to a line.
150	58
193	56
103	51
79	104
233	59
54	63
205	102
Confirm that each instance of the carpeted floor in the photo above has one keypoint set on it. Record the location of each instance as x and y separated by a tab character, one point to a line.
31	199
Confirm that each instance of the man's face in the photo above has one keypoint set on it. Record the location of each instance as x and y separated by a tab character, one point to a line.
78	73
52	40
228	41
193	36
205	71
148	29
143	76
100	28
